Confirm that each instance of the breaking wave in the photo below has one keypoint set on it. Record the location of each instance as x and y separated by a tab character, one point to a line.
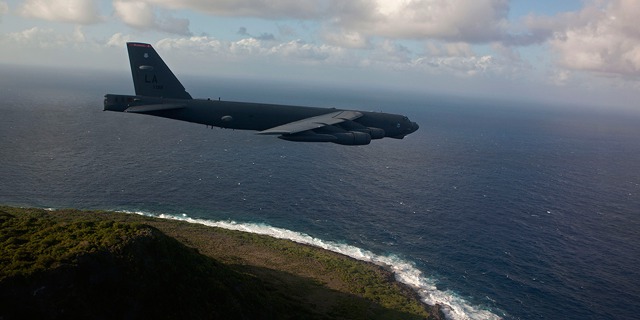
453	307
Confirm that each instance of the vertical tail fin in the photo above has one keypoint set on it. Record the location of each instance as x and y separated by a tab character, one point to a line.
151	76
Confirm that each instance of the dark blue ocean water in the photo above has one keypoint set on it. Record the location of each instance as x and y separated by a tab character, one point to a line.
514	210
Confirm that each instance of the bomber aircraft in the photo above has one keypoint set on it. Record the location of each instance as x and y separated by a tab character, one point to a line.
160	93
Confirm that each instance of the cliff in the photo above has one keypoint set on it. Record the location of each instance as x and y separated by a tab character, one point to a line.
88	264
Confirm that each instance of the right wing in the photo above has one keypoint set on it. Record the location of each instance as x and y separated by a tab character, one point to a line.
313	122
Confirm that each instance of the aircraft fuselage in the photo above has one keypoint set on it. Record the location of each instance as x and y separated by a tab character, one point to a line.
253	116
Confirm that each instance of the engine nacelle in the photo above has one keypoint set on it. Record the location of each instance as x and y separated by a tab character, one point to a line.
375	133
352	138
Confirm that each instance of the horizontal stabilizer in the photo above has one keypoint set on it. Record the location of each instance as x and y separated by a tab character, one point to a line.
154	107
313	122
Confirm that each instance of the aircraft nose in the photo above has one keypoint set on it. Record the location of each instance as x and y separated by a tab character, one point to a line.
414	127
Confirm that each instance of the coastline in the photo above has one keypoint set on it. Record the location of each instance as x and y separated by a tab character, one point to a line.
323	282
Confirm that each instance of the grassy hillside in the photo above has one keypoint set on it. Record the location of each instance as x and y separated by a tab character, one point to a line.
70	263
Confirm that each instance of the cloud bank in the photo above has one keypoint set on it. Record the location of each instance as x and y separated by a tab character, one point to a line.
143	15
603	37
467	38
4	8
457	20
74	11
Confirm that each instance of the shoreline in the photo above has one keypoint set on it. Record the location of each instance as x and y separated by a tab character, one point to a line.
308	272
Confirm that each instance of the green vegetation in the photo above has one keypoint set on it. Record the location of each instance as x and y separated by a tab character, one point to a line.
70	263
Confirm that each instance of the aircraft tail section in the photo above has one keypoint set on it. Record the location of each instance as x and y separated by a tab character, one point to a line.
151	76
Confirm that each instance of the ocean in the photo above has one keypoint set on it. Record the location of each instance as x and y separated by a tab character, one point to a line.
494	209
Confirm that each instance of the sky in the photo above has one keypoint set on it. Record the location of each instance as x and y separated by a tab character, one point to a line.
576	52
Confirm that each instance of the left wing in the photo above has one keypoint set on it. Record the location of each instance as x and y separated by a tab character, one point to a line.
313	122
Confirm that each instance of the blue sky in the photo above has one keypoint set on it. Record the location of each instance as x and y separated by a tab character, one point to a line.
572	51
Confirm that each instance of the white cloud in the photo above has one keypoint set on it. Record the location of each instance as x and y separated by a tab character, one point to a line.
375	25
350	22
73	11
454	20
459	49
457	65
459	20
347	39
46	38
306	52
268	9
143	15
461	60
295	51
194	45
387	55
78	34
137	14
36	38
560	77
118	40
31	36
603	38
4	8
456	59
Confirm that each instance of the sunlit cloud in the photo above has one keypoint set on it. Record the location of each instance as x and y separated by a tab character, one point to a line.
603	37
267	9
143	15
4	8
291	51
36	38
73	11
119	40
464	40
456	20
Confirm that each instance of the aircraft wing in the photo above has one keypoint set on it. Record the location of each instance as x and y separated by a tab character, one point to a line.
154	107
313	122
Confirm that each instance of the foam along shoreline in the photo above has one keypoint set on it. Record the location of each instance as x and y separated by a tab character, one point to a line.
405	272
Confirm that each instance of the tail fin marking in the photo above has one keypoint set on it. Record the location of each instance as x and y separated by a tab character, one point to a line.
151	76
